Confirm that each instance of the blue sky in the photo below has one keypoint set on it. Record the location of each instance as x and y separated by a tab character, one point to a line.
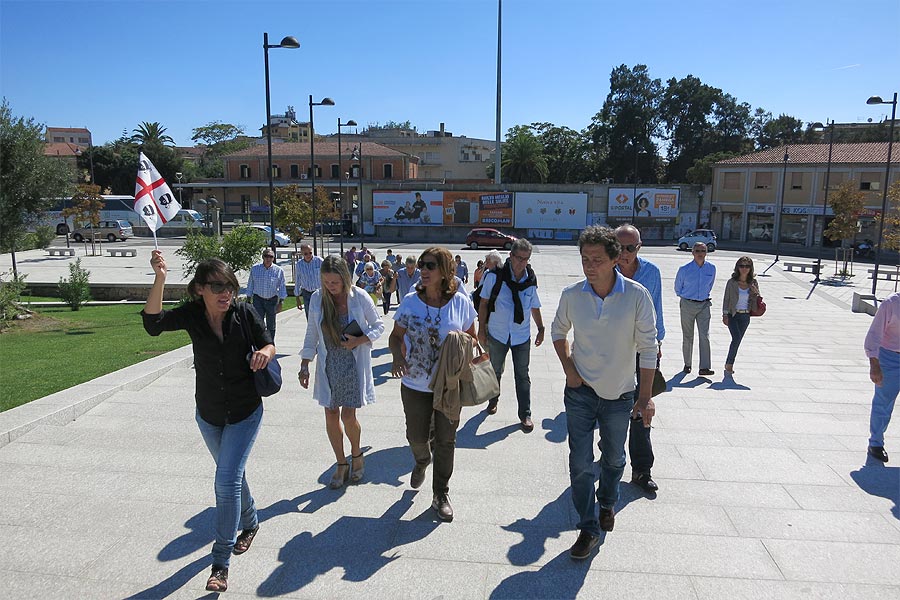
111	65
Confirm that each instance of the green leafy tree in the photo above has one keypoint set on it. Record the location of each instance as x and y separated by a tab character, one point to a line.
293	213
566	153
151	133
523	158
778	132
846	202
76	290
891	237
627	123
701	171
239	248
30	182
215	132
220	139
11	291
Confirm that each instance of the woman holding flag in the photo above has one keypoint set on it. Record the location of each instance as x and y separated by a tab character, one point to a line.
229	409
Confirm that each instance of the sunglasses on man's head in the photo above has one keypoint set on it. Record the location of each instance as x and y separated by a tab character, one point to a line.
217	287
431	265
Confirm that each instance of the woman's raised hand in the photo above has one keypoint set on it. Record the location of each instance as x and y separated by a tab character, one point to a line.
158	263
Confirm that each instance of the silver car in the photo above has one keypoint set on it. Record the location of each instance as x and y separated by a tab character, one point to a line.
104	230
707	236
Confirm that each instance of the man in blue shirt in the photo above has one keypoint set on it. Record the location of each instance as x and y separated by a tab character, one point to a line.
407	278
647	274
267	288
308	277
693	284
508	327
462	269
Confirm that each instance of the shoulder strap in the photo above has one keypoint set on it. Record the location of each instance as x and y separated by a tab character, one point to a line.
245	324
495	290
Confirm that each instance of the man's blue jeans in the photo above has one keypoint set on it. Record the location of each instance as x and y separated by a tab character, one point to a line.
306	295
585	410
885	396
230	446
521	357
265	308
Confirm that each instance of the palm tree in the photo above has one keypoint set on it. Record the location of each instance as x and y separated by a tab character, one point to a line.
523	159
149	133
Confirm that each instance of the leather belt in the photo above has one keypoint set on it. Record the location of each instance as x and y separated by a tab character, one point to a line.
692	300
742	312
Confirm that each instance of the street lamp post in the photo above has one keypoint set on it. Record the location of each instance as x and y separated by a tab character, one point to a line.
178	176
700	207
357	155
634	181
350	123
287	42
819	126
887	181
312	162
780	204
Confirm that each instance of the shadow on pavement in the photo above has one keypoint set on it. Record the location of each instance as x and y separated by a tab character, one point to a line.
728	383
562	577
360	546
556	428
876	479
468	436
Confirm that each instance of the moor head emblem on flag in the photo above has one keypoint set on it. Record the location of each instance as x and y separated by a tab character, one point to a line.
153	200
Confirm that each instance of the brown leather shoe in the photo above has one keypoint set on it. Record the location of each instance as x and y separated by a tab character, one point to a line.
527	425
706	372
582	547
607	519
243	541
491	407
441	503
218	579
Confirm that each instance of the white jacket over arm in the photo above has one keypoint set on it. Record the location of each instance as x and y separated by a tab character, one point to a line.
361	309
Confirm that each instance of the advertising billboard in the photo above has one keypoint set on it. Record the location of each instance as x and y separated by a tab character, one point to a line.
550	211
478	209
408	208
653	203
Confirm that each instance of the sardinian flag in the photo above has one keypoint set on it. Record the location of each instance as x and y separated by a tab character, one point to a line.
153	200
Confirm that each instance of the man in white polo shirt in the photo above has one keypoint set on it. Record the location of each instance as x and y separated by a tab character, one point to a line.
613	319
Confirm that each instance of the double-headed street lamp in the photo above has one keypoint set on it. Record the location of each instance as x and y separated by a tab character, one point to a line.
819	126
350	123
312	162
887	182
287	42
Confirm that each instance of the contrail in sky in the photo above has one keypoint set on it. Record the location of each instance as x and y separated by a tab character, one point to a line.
847	67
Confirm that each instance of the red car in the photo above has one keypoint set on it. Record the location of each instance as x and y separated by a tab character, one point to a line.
489	238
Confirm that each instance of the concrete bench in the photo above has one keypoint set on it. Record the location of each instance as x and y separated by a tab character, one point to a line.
122	251
61	251
802	267
883	274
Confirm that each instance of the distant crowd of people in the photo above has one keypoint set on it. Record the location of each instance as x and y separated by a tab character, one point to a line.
607	333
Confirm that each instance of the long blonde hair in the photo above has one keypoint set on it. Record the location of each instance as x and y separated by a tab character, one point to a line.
331	324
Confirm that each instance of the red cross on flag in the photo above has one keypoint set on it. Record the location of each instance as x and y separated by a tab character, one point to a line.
153	200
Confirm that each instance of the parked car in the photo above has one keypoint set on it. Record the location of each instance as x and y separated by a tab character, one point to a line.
188	218
489	238
707	236
281	239
333	227
761	232
104	230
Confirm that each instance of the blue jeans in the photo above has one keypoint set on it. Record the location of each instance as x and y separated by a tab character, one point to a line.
521	356
885	396
265	308
585	410
737	325
640	449
306	295
230	446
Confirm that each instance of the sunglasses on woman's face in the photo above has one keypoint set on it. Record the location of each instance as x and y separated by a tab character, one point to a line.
431	265
743	266
217	287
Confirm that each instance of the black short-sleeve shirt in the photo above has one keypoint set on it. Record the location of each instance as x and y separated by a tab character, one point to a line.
225	392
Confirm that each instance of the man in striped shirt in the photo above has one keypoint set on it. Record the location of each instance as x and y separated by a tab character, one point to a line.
308	278
267	289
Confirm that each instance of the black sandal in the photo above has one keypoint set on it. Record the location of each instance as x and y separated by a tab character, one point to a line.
243	541
218	579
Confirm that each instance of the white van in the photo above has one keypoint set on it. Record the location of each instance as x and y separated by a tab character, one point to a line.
187	218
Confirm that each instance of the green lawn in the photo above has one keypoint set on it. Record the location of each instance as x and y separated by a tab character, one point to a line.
60	348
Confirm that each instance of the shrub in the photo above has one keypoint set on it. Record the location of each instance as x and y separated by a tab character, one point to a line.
197	248
239	248
44	236
77	289
10	292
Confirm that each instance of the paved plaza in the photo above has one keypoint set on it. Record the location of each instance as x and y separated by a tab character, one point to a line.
106	489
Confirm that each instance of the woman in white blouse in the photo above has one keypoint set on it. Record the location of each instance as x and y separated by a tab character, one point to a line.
343	323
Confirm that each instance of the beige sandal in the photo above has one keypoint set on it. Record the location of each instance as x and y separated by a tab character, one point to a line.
340	477
356	474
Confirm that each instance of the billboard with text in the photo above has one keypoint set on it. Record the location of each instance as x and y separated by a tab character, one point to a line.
658	203
408	208
550	211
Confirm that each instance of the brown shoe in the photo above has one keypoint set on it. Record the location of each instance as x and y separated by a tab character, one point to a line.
491	407
218	579
441	503
527	425
582	547
243	541
607	519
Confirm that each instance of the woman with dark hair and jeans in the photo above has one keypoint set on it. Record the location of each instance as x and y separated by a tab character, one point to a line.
424	318
741	296
228	408
344	380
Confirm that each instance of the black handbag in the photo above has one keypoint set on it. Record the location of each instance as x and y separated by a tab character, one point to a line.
268	381
659	384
